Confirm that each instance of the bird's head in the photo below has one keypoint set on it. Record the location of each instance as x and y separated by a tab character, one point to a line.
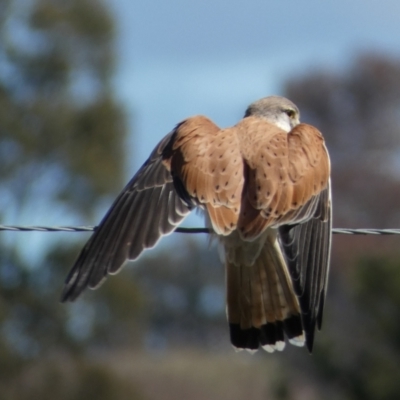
277	110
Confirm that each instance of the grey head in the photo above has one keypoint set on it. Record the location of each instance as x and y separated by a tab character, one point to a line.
277	110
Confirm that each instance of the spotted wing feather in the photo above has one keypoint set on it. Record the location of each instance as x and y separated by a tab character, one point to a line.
208	162
284	171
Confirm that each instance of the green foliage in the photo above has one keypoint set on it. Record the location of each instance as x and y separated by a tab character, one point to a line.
58	118
61	153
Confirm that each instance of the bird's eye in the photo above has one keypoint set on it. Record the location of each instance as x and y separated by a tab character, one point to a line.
290	113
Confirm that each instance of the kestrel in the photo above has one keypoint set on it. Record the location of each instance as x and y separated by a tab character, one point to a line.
264	186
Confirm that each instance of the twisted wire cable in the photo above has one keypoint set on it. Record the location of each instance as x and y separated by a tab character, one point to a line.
34	228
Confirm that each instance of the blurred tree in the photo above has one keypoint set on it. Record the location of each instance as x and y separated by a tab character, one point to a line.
356	354
60	127
61	151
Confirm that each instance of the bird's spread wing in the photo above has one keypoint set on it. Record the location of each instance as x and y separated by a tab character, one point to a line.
150	206
307	248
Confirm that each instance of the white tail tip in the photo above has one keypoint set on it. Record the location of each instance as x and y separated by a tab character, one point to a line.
270	348
297	341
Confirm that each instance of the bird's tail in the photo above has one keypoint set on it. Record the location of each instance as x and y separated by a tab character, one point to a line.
261	303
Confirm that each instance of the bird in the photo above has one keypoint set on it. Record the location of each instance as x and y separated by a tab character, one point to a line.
264	188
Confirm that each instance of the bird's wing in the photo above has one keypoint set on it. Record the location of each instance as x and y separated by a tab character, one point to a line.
307	250
209	164
284	174
306	234
151	205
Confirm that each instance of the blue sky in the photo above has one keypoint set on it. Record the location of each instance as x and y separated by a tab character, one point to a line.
178	58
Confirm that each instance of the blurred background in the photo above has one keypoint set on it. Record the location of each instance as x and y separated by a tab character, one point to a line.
87	88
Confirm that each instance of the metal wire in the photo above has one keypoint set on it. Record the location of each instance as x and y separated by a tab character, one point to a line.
29	228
